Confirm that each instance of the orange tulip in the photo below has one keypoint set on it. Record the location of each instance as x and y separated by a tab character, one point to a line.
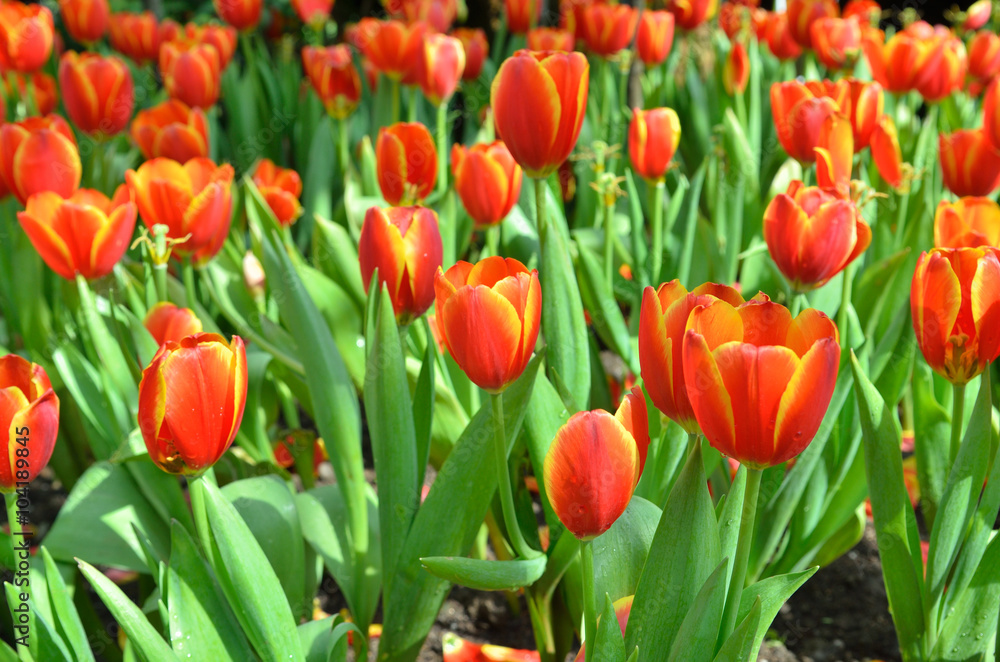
393	47
835	157
778	35
736	70
967	223
539	100
313	12
984	56
733	17
136	35
594	463
868	11
438	14
280	188
521	14
662	321
863	105
191	401
798	117
439	67
477	49
42	90
406	162
191	72
836	41
942	66
607	29
803	13
689	14
193	200
241	14
26	36
171	130
955	305
655	36
30	413
977	15
970	165
97	92
169	323
39	154
171	30
223	37
653	137
487	180
488	315
888	157
759	381
85	20
334	78
550	39
991	113
85	234
456	649
404	244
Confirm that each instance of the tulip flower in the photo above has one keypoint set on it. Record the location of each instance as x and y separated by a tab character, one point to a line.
539	101
550	39
868	11
888	157
193	200
406	162
334	78
223	37
171	130
798	117
191	72
97	92
169	323
521	15
967	223
733	17
456	649
85	234
42	91
241	14
191	401
439	67
970	165
85	20
404	244
438	14
803	13
280	188
136	35
655	37
812	235
477	49
836	41
594	463
977	15
864	106
689	14
955	305
662	322
736	70
30	414
991	113
39	154
393	47
759	381
941	67
26	36
487	180
778	36
835	157
488	315
313	12
984	56
607	29
653	137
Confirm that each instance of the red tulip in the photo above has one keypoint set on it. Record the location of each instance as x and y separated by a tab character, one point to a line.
280	188
550	39
653	137
835	157
984	56
406	162
623	608
85	20
487	180
97	92
736	70
798	117
803	13
29	411
26	36
241	14
223	37
836	41
967	223
171	130
977	15
477	49
759	381
438	14
970	165
191	401
191	72
888	157
169	323
39	154
393	47
456	649
991	114
594	463
136	35
778	35
941	67
488	315
521	14
404	244
955	305
655	36
313	12
692	13
868	11
606	29
334	78
439	67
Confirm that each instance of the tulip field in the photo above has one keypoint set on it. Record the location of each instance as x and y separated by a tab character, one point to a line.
620	326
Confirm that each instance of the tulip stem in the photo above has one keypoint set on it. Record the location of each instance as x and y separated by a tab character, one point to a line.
343	148
411	107
442	145
196	490
609	246
517	540
843	319
656	216
160	281
394	87
606	86
799	302
540	213
187	271
589	603
957	416
742	554
493	239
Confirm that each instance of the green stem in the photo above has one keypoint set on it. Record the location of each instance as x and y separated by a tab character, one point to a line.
187	271
843	321
160	281
343	148
957	416
656	214
394	86
799	303
503	475
493	239
609	247
29	96
742	554
589	603
196	490
540	212
411	107
442	145
606	99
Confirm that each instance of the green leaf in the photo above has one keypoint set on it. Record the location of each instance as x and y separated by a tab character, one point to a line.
84	382
66	618
691	198
931	441
730	518
696	638
486	575
605	315
546	414
970	627
44	642
740	645
767	596
335	253
609	645
423	405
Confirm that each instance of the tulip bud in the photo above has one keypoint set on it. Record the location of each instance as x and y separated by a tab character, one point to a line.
653	137
836	41
39	154
550	39
169	323
607	29
136	35
406	162
521	14
30	414
689	14
439	67
991	114
334	78
254	278
778	36
984	56
222	37
313	12
736	71
241	14
85	20
393	47
97	92
977	15
888	157
803	13
171	130
191	401
868	11
477	49
798	118
487	180
26	36
437	14
970	165
941	66
967	223
191	72
655	37
280	188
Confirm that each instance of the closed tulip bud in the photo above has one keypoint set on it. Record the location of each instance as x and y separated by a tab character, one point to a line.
991	113
334	78
592	467
736	70
39	154
85	234
85	20
223	37
438	14
193	200
406	162
191	401
662	321
655	36
477	49
864	106
487	180
803	13
521	14
171	130
892	62
550	39
169	323
607	29
888	157
136	35
191	72
539	100
967	223
313	12
733	17
439	67
254	278
692	13
941	67
280	188
977	15
653	137
488	315
42	90
404	244
836	41
241	14
30	414
970	165
97	92
393	47
798	118
984	56
955	306
26	36
778	35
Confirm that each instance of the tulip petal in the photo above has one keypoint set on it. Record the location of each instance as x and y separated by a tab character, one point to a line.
634	417
985	296
805	399
707	392
807	329
41	418
528	130
12	401
935	300
483	332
